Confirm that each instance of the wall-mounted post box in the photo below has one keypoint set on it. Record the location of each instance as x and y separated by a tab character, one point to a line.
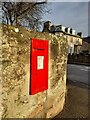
38	66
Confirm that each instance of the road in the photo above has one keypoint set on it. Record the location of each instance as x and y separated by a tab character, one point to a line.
78	73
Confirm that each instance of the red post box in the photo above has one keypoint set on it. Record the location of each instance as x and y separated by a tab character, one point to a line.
38	66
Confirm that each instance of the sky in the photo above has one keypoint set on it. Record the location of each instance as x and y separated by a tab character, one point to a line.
69	14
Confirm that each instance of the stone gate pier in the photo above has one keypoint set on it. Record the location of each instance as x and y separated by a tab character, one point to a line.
16	49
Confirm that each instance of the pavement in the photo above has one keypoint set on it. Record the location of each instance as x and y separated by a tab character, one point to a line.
78	73
79	63
76	103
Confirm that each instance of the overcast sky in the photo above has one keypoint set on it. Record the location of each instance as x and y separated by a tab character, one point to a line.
69	14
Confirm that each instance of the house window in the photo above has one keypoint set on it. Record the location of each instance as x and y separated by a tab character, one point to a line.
66	37
71	50
77	40
71	39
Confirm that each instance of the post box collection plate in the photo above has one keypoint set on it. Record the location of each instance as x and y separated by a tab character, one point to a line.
38	66
40	62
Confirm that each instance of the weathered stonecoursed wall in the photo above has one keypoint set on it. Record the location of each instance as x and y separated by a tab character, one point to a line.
17	103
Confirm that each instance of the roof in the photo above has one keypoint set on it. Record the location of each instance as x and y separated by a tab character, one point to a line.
57	29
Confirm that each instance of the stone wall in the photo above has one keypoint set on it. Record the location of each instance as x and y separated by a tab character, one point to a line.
85	46
17	103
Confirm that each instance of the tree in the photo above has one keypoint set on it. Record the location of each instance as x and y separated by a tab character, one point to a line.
24	13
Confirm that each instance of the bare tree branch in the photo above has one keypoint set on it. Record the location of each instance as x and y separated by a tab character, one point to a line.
20	13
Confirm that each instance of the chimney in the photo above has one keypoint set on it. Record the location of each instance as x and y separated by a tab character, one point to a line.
79	34
60	26
46	26
53	28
